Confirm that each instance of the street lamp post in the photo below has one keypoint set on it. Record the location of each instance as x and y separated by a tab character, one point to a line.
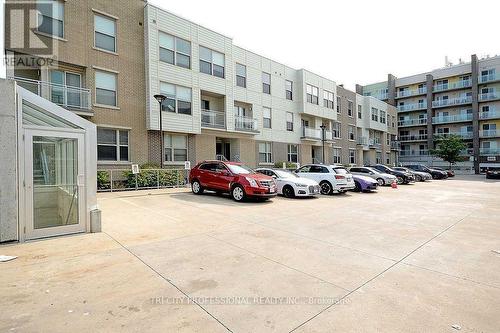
160	98
323	128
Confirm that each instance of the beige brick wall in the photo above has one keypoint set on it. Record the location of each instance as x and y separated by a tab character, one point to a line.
204	147
247	152
305	154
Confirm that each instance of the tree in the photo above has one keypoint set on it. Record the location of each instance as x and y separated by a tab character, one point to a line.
448	148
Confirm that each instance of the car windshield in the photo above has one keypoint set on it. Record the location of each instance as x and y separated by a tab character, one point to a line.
373	170
285	174
341	171
239	169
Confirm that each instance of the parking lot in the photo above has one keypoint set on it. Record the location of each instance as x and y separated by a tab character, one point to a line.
421	258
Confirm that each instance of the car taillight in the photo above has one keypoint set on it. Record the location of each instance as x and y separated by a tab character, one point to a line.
339	177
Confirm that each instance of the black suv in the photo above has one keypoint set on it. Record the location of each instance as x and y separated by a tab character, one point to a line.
436	174
401	176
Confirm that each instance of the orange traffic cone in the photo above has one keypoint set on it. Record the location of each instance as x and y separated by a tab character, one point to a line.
394	184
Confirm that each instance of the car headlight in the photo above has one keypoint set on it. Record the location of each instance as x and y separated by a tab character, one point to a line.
300	185
252	182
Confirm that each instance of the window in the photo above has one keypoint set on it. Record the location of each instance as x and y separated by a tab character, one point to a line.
328	99
337	155
112	145
374	114
351	134
336	130
360	112
211	62
338	104
51	18
289	121
350	106
265	155
266	83
382	117
104	33
175	50
178	98
241	75
289	90
352	156
105	88
175	147
393	121
387	158
312	94
67	97
378	157
293	155
266	117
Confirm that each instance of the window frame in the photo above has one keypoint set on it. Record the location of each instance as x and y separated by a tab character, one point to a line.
107	17
175	51
374	114
289	93
337	130
265	108
96	88
268	154
290	153
382	117
312	94
360	112
172	148
176	99
328	99
212	51
266	87
244	78
39	22
117	145
352	156
350	106
289	124
339	104
337	158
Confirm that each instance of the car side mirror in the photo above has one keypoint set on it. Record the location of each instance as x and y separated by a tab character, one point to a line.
274	176
372	173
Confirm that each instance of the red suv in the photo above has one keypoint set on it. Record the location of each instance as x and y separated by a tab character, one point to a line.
231	177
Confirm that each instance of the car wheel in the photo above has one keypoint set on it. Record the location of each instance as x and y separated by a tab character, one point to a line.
238	193
380	182
400	180
196	187
418	178
357	187
288	191
326	187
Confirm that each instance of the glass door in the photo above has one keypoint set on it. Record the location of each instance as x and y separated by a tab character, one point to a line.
54	183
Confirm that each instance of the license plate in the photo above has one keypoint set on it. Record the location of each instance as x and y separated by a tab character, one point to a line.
272	189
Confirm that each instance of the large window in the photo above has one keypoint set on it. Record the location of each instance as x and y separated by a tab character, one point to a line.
336	130
352	135
241	75
175	50
374	114
212	62
293	155
289	90
289	121
328	99
360	112
337	155
178	98
352	156
265	154
266	83
104	33
112	145
350	106
312	94
382	117
51	18
105	88
266	117
175	147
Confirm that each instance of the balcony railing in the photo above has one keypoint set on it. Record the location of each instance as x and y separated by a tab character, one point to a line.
245	124
489	96
489	133
489	151
411	107
213	118
489	78
362	140
418	137
455	85
395	145
464	135
452	118
467	152
492	114
418	152
412	122
65	96
311	133
408	93
452	101
374	143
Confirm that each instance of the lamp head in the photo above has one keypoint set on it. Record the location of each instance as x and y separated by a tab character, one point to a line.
160	98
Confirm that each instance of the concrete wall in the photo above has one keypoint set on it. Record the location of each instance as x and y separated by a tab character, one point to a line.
8	163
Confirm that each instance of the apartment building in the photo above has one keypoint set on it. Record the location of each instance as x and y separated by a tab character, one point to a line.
223	101
463	99
95	67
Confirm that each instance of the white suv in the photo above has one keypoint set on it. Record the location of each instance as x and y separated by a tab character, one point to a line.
328	178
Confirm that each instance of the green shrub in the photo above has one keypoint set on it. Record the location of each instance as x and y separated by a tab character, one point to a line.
288	165
154	177
103	182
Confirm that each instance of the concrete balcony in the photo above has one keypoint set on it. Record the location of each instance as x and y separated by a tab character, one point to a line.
493	133
410	138
374	143
412	122
362	141
452	86
395	145
418	152
463	135
409	93
489	151
452	119
451	101
489	96
489	78
245	124
412	107
492	114
213	119
69	97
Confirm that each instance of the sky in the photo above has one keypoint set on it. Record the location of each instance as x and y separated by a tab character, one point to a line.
356	41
